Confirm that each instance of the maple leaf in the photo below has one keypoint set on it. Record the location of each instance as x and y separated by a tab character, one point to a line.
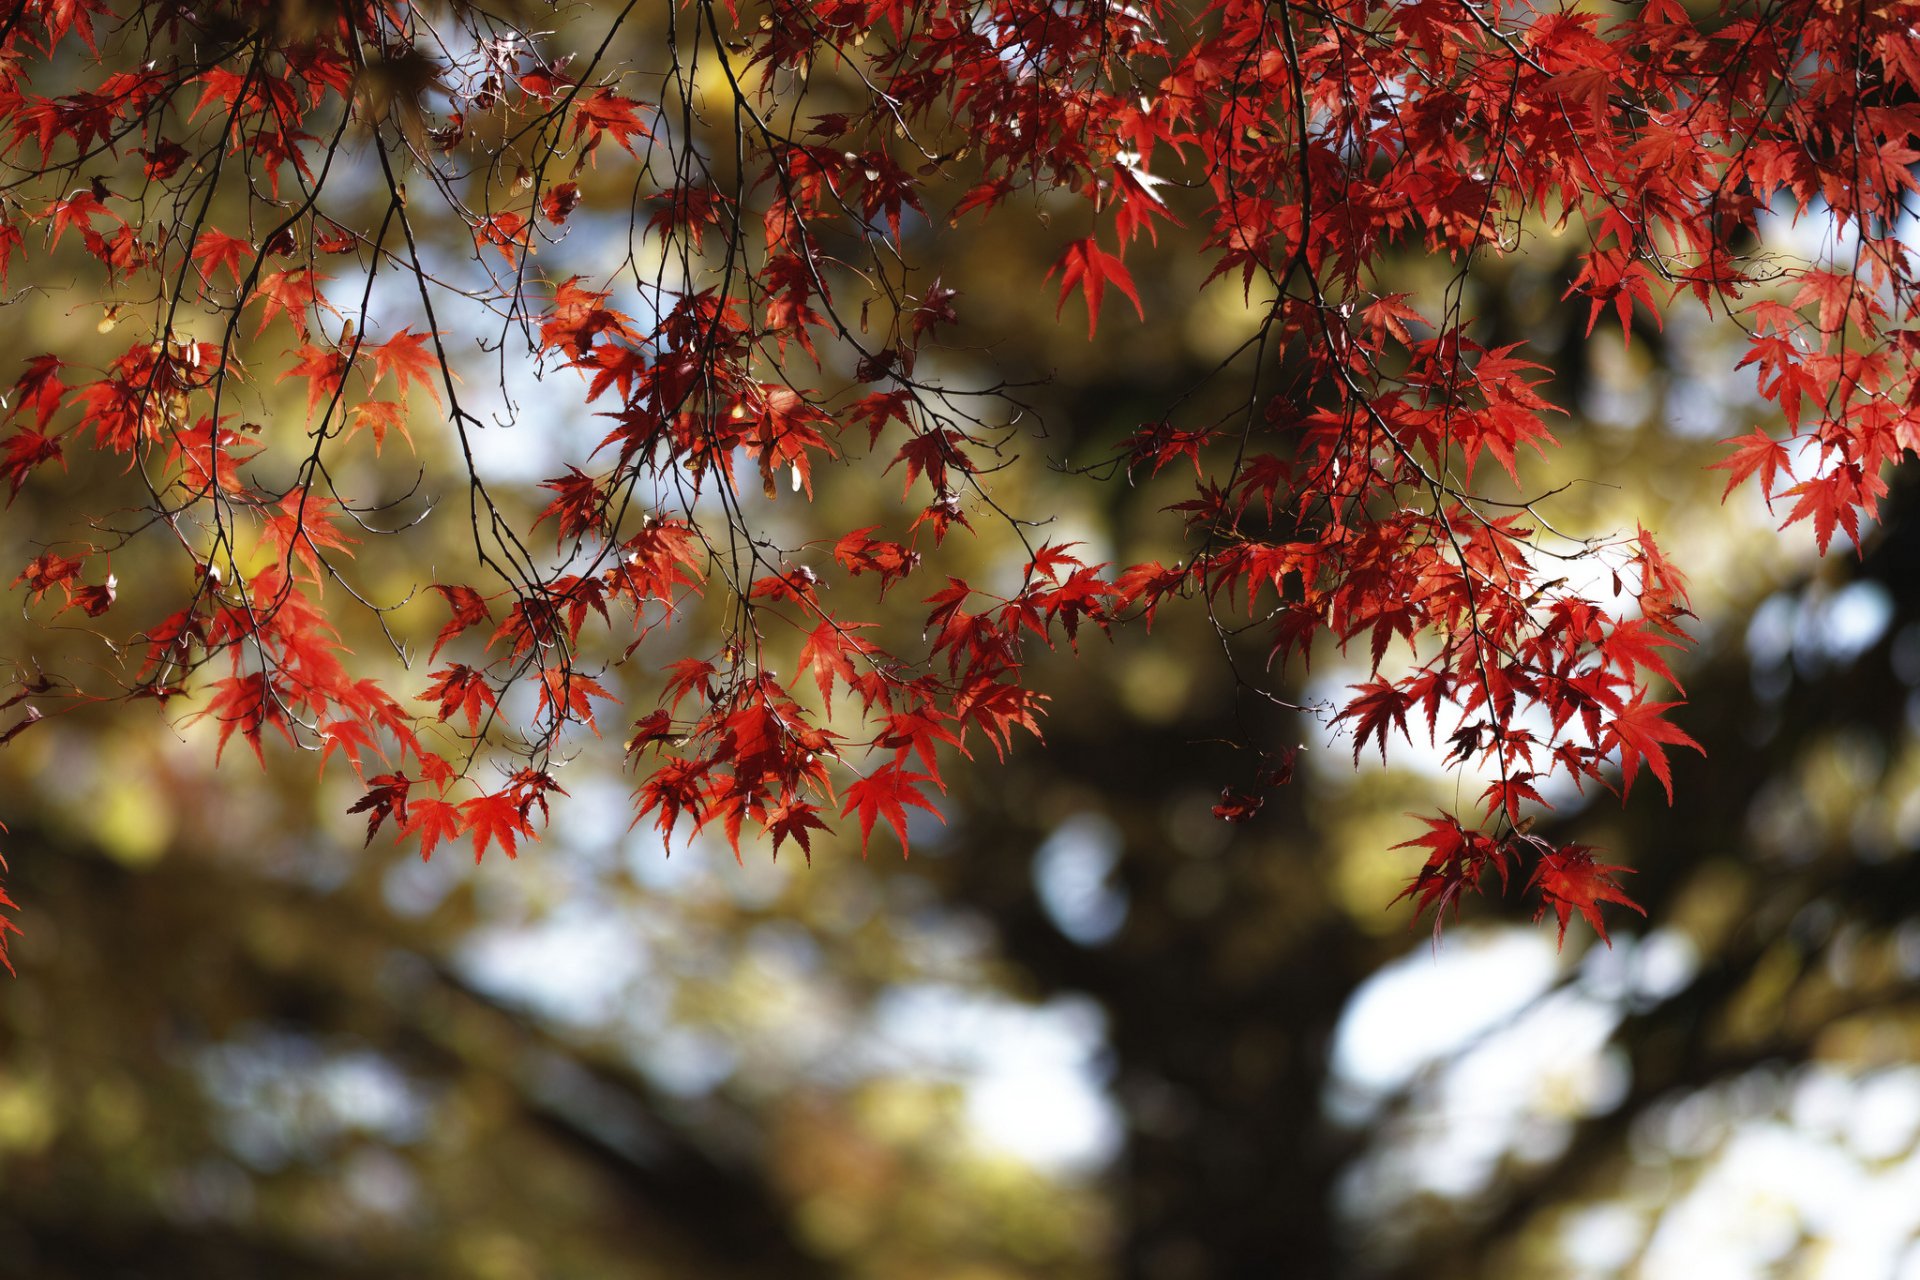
1086	264
407	357
828	653
579	508
39	389
495	818
566	692
1835	501
469	610
1380	706
1504	795
983	196
604	113
1390	315
998	707
919	731
351	738
859	554
507	233
21	452
1634	643
214	249
433	821
885	793
325	372
77	210
793	818
50	569
689	675
1237	805
1570	880
931	453
162	161
379	417
1641	735
94	599
1428	135
303	527
386	797
7	925
294	294
560	202
247	705
1457	856
462	689
1758	453
676	787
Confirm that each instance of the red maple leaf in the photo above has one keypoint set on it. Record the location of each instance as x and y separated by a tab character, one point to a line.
407	356
885	793
1380	706
7	926
1086	264
829	652
244	704
604	113
1639	732
461	689
567	692
793	819
214	249
579	508
432	821
21	452
491	819
294	294
387	797
1758	453
1456	858
469	610
1570	880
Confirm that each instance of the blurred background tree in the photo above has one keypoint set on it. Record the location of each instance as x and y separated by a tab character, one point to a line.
1087	1030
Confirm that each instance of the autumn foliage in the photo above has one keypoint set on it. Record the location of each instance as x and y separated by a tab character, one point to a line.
792	169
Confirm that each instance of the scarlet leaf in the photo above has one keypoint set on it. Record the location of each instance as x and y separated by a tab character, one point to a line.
387	798
406	355
604	113
1570	880
1758	453
1086	264
792	819
829	652
433	821
494	819
469	610
1380	706
1456	858
461	689
885	794
1641	734
565	693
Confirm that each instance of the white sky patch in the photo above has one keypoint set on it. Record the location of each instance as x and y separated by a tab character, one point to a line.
285	1097
1815	236
1072	872
1430	1004
1034	1085
577	967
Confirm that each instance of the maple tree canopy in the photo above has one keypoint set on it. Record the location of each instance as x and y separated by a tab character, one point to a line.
378	206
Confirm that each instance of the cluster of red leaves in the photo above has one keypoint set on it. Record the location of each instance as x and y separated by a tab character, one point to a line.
1313	142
